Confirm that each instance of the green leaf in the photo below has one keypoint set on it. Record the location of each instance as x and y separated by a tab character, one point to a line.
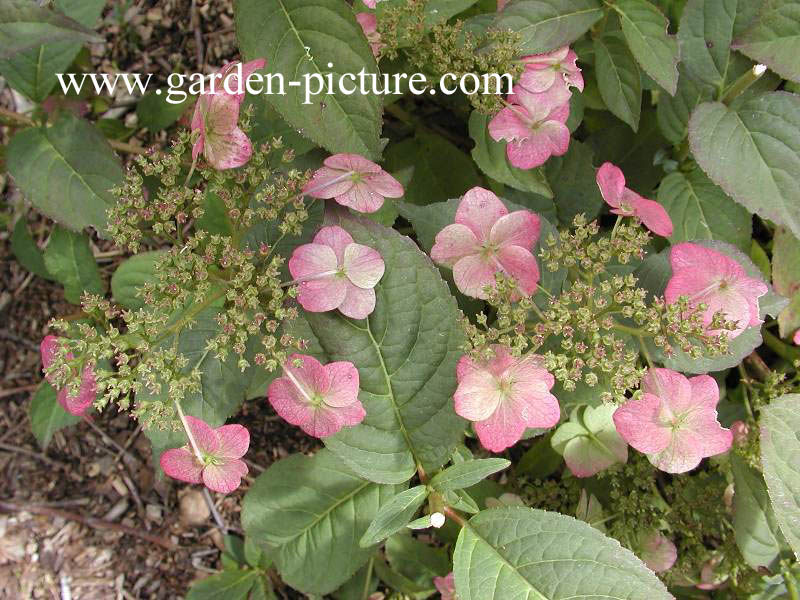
468	473
673	112
753	153
752	515
394	515
655	50
66	171
490	156
360	585
533	554
548	24
780	456
399	582
439	11
47	415
786	278
267	123
574	185
299	38
69	259
26	251
701	210
154	112
406	353
315	510
705	34
24	25
415	559
618	79
774	38
540	460
132	274
233	584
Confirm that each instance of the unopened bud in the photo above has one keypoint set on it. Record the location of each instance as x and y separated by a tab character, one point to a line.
437	519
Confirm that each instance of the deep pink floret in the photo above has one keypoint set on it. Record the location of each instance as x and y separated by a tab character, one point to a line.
627	203
446	586
369	25
75	405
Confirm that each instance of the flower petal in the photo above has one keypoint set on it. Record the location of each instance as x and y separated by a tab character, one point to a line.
479	210
520	264
477	396
384	184
508	125
227	150
472	274
361	197
358	303
352	162
288	402
344	382
653	215
181	464
78	405
363	265
550	138
519	228
502	430
638	422
611	182
234	440
322	295
309	261
224	478
453	243
203	435
337	238
658	552
328	183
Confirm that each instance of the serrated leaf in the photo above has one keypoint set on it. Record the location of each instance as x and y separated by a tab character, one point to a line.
156	113
70	261
232	584
753	153
618	79
786	278
774	38
705	34
780	456
47	415
673	112
468	473
66	171
548	24
394	515
701	210
316	533
132	274
533	554
655	50
491	157
299	38
26	251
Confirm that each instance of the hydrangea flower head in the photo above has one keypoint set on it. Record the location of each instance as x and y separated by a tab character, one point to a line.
335	272
216	118
534	125
504	396
558	67
369	25
657	551
353	181
674	422
446	586
710	277
485	239
320	399
221	468
627	203
74	405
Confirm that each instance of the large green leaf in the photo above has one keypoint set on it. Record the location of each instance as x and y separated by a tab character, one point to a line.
47	415
618	79
490	156
655	50
314	510
780	456
302	37
673	112
705	35
753	153
548	24
786	277
572	178
468	473
70	261
774	38
232	584
66	171
26	251
537	555
406	352
702	211
394	515
133	274
439	11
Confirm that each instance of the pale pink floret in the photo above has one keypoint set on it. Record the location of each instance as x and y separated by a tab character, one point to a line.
219	466
674	422
708	276
75	405
353	181
446	586
657	551
504	396
369	25
556	67
486	239
216	118
371	3
320	399
534	125
796	338
627	203
335	272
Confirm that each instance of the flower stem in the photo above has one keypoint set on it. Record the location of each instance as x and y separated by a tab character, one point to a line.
744	82
453	514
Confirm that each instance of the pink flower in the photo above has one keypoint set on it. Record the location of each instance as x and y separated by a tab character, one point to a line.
675	421
446	586
369	24
219	467
486	239
533	125
796	338
627	203
504	396
710	277
353	181
544	70
75	405
657	551
741	432
371	3
321	399
335	272
216	117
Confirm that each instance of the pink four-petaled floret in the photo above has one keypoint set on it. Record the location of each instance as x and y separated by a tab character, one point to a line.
627	203
552	68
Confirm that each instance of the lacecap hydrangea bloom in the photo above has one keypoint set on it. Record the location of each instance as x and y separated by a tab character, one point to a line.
710	277
320	399
334	272
219	466
627	203
504	396
486	239
674	422
78	404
